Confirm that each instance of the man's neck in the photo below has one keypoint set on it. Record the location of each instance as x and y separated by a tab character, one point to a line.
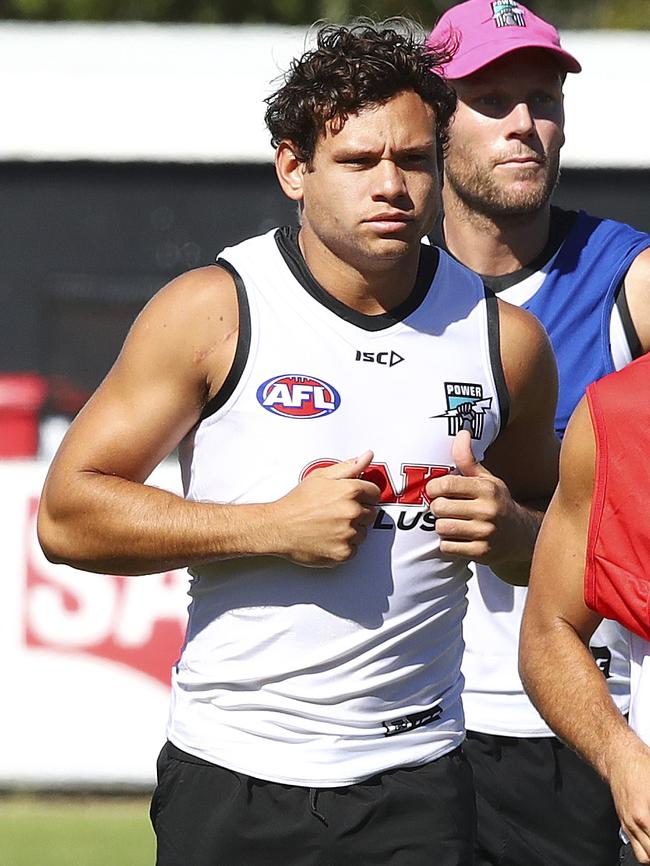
494	246
368	290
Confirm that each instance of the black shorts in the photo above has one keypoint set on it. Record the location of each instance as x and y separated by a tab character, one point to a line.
627	857
539	804
206	815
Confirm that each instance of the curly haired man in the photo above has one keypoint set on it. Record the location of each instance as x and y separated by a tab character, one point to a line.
316	714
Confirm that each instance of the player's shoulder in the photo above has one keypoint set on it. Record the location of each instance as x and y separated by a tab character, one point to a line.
209	284
578	454
639	270
185	336
519	326
636	292
190	320
527	357
200	298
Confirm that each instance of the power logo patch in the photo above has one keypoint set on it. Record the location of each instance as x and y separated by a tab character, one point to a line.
506	13
466	408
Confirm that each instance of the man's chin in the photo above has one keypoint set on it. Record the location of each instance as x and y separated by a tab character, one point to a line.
382	243
524	205
391	248
519	198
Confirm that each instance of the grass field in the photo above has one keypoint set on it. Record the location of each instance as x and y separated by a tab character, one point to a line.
75	831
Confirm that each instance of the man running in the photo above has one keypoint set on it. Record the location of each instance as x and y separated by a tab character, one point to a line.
315	382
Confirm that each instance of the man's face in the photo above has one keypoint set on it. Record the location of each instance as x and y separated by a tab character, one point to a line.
506	135
371	191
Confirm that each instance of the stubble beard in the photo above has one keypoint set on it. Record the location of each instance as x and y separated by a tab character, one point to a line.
367	253
477	188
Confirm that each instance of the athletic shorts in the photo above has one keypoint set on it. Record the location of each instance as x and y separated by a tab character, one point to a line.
206	815
539	804
627	857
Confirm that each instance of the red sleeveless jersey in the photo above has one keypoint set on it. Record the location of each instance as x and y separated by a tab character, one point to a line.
617	574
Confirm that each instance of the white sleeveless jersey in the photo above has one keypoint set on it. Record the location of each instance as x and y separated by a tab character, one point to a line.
639	717
494	699
640	686
324	677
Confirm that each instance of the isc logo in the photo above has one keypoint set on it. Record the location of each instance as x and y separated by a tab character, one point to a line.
298	396
386	359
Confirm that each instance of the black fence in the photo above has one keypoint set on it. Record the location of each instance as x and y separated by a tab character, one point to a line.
85	245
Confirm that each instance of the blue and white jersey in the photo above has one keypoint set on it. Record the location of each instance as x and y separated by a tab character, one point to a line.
326	676
576	300
573	293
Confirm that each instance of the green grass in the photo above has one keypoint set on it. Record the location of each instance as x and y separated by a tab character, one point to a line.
75	831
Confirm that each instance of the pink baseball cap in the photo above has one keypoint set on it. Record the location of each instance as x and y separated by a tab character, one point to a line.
488	29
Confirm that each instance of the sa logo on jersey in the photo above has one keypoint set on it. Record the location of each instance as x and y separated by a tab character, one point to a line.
298	396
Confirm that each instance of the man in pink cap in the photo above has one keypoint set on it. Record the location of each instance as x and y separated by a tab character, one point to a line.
588	281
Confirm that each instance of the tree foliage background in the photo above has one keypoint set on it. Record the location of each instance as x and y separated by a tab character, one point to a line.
633	14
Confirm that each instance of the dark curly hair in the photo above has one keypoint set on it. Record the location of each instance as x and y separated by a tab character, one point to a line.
353	67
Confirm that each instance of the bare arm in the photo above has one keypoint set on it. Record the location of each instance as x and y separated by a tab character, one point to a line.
637	294
558	671
96	512
492	513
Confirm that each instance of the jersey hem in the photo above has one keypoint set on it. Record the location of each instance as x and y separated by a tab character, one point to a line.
493	730
529	733
317	783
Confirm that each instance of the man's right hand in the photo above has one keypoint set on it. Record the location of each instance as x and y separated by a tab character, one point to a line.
323	520
629	776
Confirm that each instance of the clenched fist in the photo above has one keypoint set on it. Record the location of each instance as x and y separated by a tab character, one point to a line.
323	520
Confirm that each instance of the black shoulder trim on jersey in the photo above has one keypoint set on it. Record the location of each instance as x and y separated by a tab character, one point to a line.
286	239
242	350
631	333
494	342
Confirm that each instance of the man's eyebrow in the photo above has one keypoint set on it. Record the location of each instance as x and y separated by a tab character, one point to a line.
417	148
355	150
362	150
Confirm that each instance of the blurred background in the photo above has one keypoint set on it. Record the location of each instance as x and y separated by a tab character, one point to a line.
132	148
579	14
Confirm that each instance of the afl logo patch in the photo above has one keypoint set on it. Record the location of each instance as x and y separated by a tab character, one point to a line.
298	396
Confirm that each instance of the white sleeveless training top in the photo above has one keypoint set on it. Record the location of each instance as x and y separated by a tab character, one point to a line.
324	677
640	686
639	717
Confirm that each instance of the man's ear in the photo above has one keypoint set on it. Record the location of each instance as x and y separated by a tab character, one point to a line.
290	170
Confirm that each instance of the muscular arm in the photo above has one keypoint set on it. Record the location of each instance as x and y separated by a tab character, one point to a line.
492	514
96	512
637	294
558	671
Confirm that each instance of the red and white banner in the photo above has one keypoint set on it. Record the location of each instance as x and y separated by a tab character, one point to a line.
87	657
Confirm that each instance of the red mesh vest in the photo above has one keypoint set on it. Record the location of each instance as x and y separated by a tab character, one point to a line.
617	574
